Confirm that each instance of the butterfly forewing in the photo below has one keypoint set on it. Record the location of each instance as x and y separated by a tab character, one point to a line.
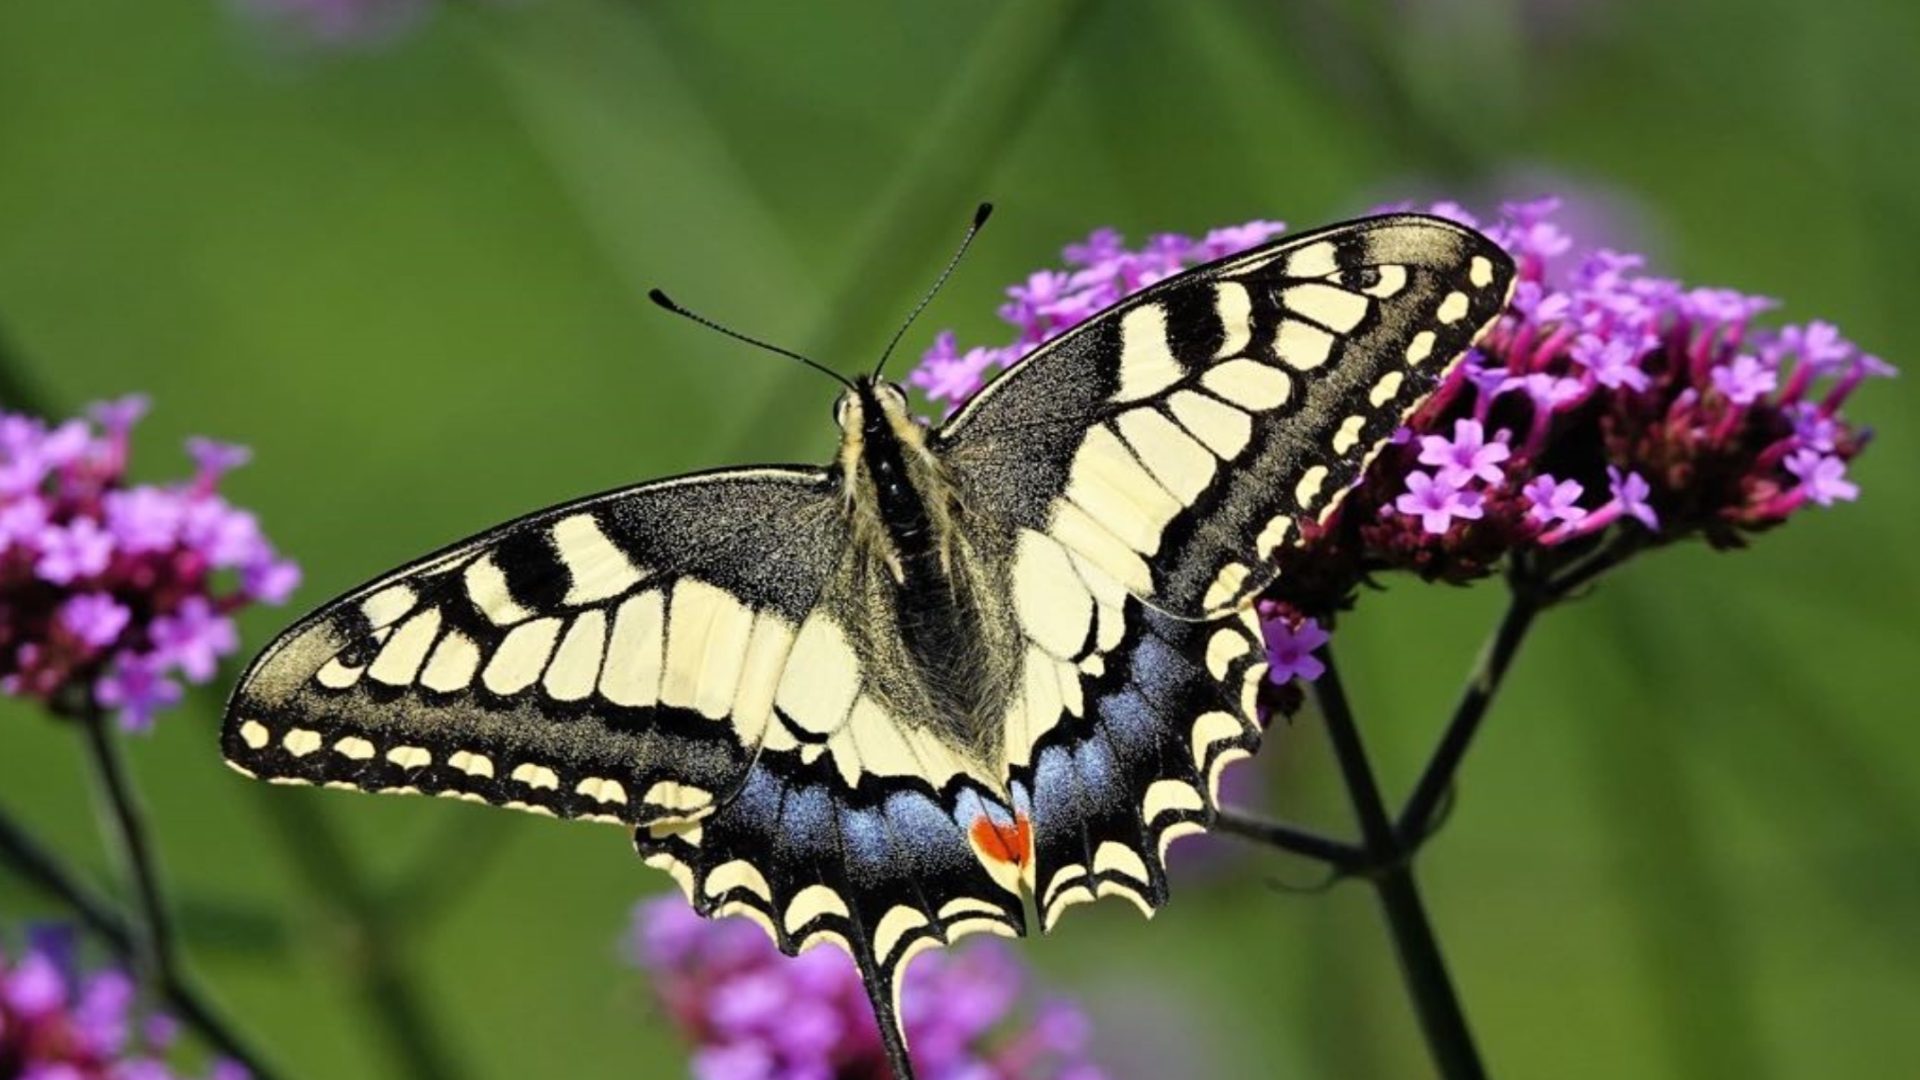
611	658
1182	438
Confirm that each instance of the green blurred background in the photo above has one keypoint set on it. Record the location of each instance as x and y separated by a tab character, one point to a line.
411	277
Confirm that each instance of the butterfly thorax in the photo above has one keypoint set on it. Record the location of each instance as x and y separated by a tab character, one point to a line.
919	586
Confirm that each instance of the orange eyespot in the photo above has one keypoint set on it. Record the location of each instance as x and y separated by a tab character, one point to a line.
1011	844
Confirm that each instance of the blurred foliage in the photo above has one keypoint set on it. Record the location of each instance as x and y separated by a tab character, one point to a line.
410	277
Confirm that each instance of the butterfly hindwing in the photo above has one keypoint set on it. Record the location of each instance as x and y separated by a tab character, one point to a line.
612	658
1182	438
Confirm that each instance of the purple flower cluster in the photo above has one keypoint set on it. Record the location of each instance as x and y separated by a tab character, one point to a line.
59	1023
758	1015
110	591
1607	404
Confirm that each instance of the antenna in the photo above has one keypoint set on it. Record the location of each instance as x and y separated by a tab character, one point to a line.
980	215
665	301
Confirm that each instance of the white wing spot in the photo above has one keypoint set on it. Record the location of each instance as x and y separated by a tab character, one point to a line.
521	657
1054	608
471	763
1420	347
1480	272
576	663
1349	434
1384	390
355	748
536	776
822	677
487	588
300	742
1234	308
1175	459
400	658
1301	345
595	568
1224	429
385	607
675	795
1226	586
1223	648
1308	489
1453	308
1272	536
1329	305
1313	261
634	656
1117	491
1391	280
255	734
707	635
410	757
453	663
602	790
1147	365
1165	795
335	675
1249	384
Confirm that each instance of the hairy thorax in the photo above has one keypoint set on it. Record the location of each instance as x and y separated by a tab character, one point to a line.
917	588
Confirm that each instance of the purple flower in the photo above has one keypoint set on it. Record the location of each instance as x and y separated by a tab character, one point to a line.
1614	363
80	549
1436	501
1823	477
95	618
1630	491
58	1022
215	459
137	688
194	638
1291	647
1745	380
114	587
1553	500
757	1014
1466	457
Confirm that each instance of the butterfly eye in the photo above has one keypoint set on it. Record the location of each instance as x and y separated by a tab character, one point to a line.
840	410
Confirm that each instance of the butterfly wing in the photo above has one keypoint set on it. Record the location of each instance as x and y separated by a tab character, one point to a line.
1158	462
687	658
1181	438
612	658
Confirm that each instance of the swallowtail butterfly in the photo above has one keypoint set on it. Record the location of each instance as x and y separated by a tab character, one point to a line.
877	702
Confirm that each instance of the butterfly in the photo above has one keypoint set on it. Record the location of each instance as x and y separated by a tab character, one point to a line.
877	703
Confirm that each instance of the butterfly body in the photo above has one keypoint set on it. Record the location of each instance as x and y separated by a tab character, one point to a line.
880	703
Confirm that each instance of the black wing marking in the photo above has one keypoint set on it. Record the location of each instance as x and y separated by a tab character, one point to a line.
1181	438
613	658
1123	723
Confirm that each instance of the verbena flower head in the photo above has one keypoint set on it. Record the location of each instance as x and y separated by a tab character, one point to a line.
58	1022
1608	406
112	592
758	1015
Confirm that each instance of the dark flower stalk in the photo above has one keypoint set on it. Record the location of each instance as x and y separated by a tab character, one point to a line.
1607	413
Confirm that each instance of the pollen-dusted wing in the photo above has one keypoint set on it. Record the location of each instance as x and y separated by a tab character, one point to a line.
872	704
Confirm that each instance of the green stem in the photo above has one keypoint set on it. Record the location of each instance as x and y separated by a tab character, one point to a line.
1422	966
126	822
